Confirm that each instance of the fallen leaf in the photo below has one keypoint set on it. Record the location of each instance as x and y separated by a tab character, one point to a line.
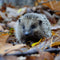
37	43
5	47
3	38
55	44
46	56
11	24
56	27
57	58
1	19
15	48
1	28
42	56
8	58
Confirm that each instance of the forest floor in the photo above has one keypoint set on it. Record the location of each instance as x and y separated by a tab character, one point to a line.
44	49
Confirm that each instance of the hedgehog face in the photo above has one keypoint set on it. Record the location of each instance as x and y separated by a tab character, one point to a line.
33	26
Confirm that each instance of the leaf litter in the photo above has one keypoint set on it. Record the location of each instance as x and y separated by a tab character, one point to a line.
44	49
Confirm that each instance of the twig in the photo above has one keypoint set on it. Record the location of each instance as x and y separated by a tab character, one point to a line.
53	50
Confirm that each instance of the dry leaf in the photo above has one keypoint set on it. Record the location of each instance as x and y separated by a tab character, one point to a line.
2	24
1	28
57	58
56	27
9	48
3	38
42	56
46	56
1	19
4	48
11	24
15	48
55	44
4	7
10	57
9	5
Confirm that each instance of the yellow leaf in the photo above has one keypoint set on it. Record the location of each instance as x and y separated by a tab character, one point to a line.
54	34
19	10
36	43
36	3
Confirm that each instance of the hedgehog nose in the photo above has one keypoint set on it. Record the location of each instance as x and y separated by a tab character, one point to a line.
26	33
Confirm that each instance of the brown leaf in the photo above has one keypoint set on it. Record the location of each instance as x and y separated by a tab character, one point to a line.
1	28
9	48
11	24
55	44
3	7
1	19
4	48
9	5
3	38
8	58
42	56
15	48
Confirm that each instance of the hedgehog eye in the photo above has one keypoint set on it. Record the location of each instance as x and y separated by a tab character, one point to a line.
33	26
19	20
23	27
40	22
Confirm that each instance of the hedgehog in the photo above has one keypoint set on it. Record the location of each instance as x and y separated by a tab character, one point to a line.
32	26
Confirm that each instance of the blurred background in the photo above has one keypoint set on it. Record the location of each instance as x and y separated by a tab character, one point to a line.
53	4
18	2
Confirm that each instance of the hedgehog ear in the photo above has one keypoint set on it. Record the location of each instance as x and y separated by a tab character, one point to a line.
40	22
